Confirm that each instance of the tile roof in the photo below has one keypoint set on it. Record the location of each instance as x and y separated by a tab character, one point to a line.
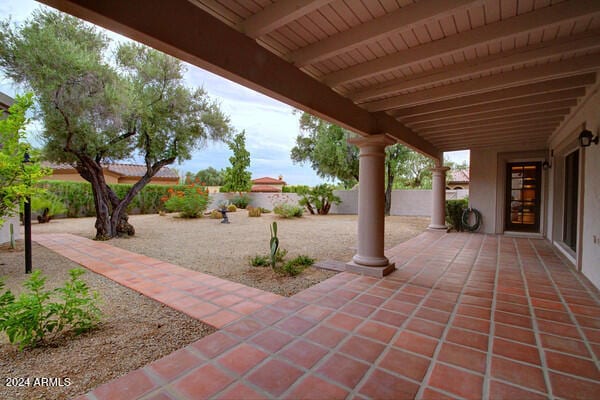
132	170
265	188
459	176
268	181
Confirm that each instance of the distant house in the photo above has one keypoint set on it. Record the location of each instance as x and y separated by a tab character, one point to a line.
458	179
114	173
268	185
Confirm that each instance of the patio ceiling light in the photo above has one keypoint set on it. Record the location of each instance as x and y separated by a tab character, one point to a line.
586	138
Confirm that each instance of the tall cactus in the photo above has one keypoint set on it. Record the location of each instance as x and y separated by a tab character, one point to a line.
274	244
12	237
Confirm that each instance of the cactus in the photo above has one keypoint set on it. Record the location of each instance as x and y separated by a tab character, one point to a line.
12	237
274	244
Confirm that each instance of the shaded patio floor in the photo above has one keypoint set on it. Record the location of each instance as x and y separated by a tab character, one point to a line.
464	316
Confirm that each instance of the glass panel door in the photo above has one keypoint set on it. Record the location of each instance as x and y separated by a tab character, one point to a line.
523	196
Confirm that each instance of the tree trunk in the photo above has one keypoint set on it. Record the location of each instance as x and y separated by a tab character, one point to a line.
388	189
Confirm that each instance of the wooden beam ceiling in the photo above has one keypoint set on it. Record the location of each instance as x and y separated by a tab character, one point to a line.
529	22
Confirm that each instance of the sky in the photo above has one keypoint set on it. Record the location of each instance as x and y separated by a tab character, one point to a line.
271	126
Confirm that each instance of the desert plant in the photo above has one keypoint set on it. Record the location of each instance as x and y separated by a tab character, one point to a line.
273	244
190	202
303	260
12	237
48	205
319	199
296	266
231	208
280	255
216	214
259	261
264	210
241	201
286	210
29	319
254	212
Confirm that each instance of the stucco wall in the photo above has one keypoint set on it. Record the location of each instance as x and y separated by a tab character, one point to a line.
482	186
404	202
586	115
265	200
5	229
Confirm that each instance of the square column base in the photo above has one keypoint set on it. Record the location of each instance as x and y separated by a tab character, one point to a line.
377	272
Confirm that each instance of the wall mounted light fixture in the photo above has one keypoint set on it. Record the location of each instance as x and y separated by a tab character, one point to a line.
548	164
586	138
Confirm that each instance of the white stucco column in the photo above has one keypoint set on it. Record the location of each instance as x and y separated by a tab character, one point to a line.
370	258
438	210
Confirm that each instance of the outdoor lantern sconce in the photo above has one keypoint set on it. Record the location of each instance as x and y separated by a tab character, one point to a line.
546	165
586	138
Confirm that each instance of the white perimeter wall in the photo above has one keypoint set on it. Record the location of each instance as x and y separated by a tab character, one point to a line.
404	202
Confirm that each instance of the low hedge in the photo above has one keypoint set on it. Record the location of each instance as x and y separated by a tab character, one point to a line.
78	198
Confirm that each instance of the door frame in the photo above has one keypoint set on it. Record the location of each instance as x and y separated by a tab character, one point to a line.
508	225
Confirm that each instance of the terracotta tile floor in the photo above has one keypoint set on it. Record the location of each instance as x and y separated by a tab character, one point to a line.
464	316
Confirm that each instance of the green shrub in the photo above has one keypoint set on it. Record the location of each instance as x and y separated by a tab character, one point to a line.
254	212
454	211
288	210
264	210
291	269
39	313
189	202
231	208
280	255
319	199
79	201
294	188
241	201
303	260
49	202
260	261
216	214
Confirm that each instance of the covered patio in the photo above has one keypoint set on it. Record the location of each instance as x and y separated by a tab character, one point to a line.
463	316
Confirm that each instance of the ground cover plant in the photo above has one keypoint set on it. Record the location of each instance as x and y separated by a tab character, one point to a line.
39	314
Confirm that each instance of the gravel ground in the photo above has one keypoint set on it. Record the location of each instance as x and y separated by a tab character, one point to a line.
135	330
222	250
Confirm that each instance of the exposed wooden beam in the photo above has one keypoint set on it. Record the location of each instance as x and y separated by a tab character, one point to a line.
498	124
530	54
499	139
279	14
551	86
499	131
537	141
524	23
189	33
404	19
498	113
540	99
573	66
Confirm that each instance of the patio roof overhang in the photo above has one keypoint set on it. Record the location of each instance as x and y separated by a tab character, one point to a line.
437	75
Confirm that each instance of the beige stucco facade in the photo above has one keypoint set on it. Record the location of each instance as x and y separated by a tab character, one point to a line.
488	183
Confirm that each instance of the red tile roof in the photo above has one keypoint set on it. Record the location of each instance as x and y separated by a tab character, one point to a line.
131	170
460	176
265	188
268	181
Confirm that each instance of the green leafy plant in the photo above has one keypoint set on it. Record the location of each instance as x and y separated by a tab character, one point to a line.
286	210
273	244
296	266
303	260
189	202
264	210
454	211
319	199
39	313
259	261
280	255
241	201
48	205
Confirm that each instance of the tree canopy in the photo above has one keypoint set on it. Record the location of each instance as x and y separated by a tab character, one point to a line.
208	176
99	109
237	178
